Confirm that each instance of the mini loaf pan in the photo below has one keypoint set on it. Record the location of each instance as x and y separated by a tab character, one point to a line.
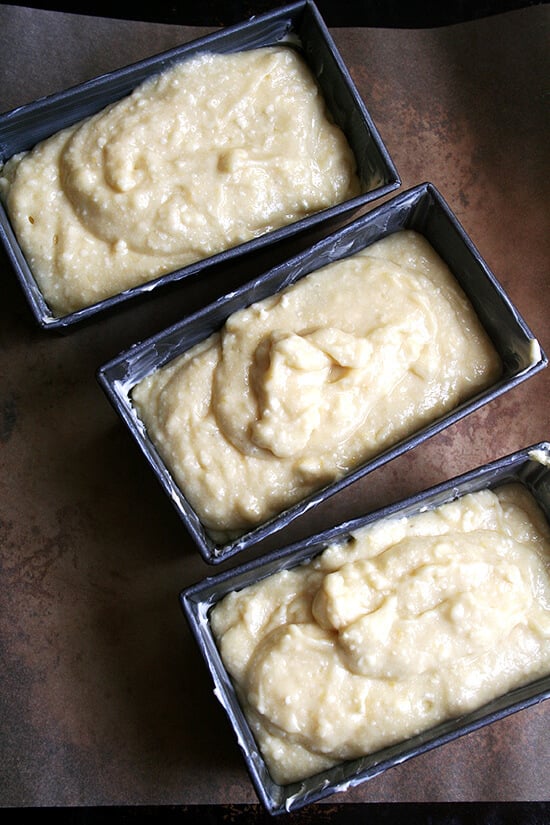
421	208
530	467
301	26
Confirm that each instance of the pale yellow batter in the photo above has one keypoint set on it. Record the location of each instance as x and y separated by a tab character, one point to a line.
411	622
298	389
211	153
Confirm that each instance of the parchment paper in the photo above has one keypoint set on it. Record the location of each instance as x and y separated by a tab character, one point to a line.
105	699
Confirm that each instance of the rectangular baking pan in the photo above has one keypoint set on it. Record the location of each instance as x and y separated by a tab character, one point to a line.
421	208
298	24
530	467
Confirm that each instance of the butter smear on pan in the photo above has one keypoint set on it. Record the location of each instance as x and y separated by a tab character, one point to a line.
409	623
298	389
214	151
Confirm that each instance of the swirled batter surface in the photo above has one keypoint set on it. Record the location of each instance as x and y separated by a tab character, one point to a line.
411	622
299	388
210	153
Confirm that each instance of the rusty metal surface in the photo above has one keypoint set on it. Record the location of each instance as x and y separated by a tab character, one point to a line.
105	700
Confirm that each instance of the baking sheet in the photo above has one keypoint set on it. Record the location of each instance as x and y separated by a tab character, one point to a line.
105	699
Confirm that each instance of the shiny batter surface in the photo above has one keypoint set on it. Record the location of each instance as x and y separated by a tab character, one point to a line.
212	152
299	388
411	622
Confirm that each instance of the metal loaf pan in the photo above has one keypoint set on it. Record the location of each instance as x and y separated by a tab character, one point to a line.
298	24
421	208
530	467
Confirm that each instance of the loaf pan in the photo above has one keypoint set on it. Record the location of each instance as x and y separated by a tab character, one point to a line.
529	467
299	25
421	208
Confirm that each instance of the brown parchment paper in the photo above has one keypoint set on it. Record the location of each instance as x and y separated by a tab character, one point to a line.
105	699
